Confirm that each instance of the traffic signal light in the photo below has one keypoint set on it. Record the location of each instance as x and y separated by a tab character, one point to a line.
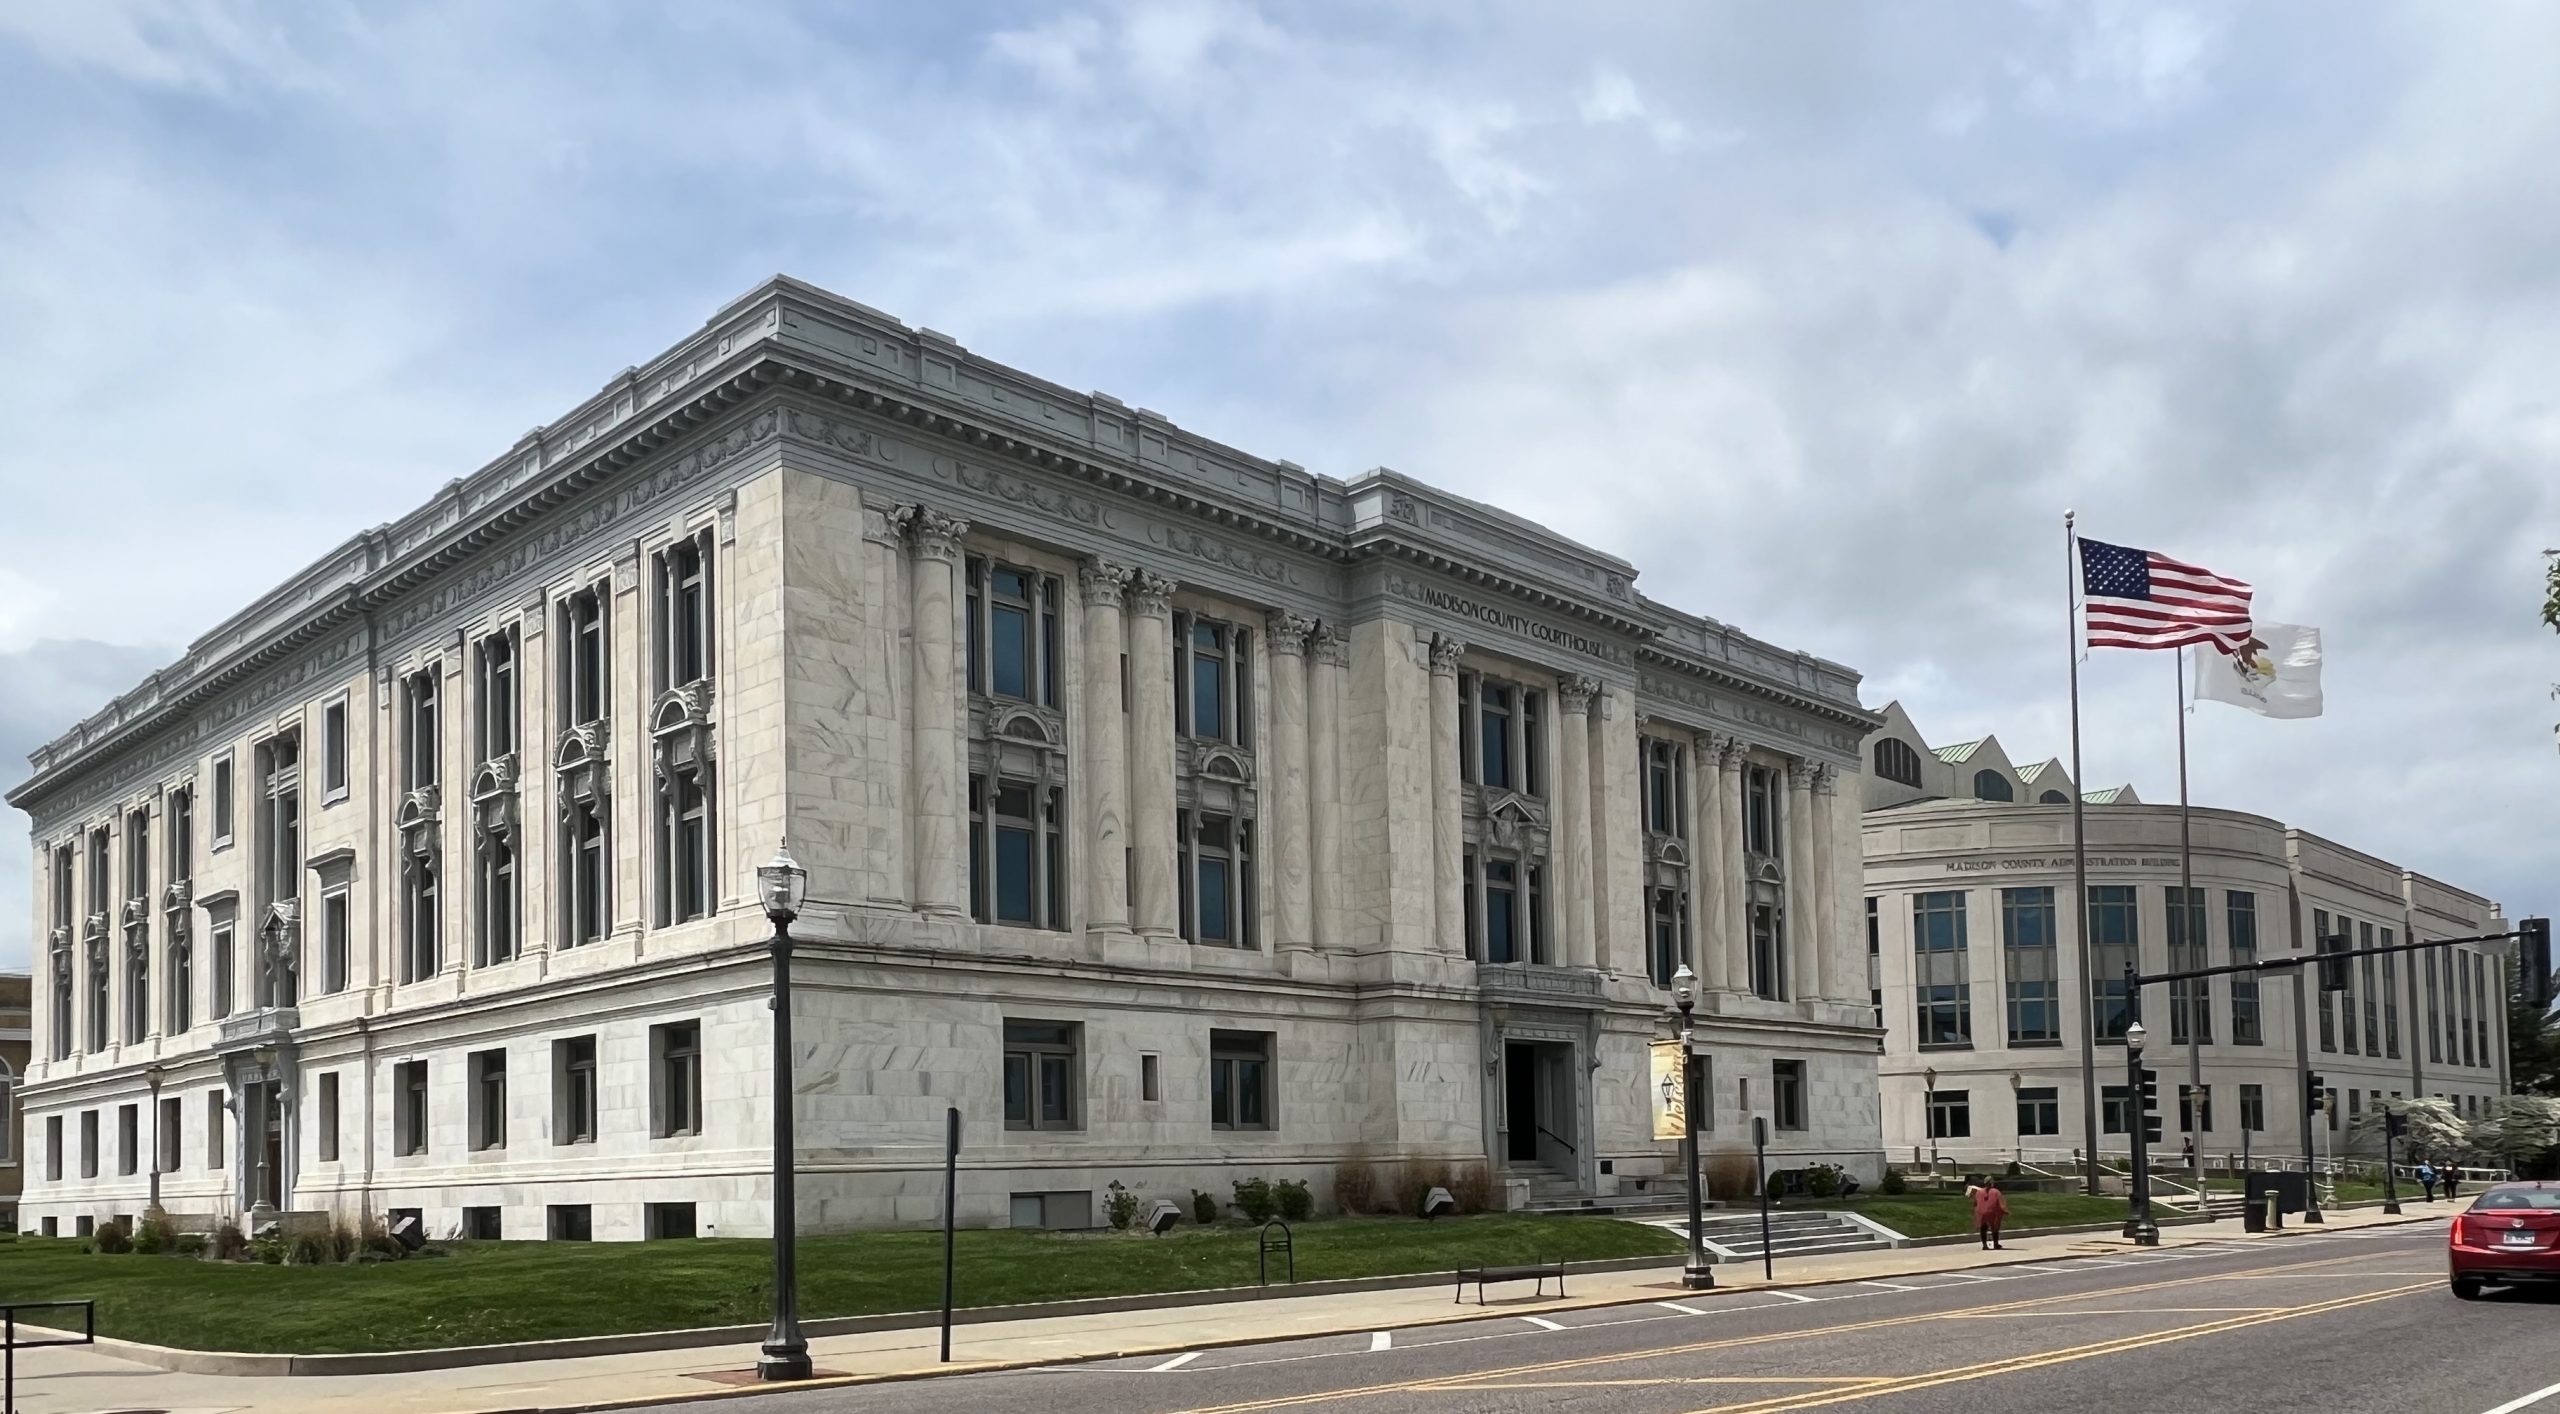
2311	1091
2150	1088
2533	961
2396	1125
2333	963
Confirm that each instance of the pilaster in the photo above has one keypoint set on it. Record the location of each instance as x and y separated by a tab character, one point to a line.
1286	782
1617	866
937	790
1329	653
1796	837
1151	750
1710	841
1573	818
1448	838
1105	780
1824	847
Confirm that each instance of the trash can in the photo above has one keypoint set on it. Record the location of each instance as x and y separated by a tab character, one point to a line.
2253	1216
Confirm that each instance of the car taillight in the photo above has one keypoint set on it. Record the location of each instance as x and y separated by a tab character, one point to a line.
2465	1233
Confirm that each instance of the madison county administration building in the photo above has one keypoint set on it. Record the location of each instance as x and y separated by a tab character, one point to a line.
1178	816
1979	984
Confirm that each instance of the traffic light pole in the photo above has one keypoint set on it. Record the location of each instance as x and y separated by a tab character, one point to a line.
2390	1180
2306	1100
2141	1100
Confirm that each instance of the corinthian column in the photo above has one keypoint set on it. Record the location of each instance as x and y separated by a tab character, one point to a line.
1573	817
1106	765
1824	848
1285	785
1331	654
1706	859
1797	844
1151	749
1734	918
941	864
1448	837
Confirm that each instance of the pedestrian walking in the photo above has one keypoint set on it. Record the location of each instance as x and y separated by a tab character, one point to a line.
1990	1210
2427	1180
2452	1180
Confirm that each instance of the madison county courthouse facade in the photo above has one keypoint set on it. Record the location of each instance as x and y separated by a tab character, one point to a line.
1980	990
1178	816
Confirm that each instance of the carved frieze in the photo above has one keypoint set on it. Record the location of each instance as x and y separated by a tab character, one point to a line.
1183	540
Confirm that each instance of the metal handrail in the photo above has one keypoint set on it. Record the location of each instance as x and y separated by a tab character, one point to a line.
10	1344
1551	1134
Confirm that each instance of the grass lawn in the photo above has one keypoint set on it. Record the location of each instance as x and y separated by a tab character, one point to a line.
1944	1214
506	1291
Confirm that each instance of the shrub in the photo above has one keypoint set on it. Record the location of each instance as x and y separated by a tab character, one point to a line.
111	1237
1204	1209
1729	1175
1894	1183
230	1244
153	1236
1416	1179
375	1236
1472	1185
1822	1180
268	1247
1255	1199
189	1244
1295	1202
1121	1207
1355	1187
308	1250
343	1241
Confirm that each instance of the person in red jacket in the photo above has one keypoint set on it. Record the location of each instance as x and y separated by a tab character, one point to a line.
1990	1210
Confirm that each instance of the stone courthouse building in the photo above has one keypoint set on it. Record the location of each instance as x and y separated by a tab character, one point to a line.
1177	815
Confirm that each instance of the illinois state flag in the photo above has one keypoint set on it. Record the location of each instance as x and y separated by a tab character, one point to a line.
2275	674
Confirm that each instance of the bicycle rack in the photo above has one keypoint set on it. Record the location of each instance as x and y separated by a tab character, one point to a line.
1288	1246
10	1344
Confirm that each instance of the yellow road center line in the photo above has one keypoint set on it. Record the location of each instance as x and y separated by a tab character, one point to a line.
1254	1406
2045	1359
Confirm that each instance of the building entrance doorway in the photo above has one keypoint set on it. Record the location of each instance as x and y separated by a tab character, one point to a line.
1538	1111
269	1184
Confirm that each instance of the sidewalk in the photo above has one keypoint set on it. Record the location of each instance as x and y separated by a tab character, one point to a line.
80	1381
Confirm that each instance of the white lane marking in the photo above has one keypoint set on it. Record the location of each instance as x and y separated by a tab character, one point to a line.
1543	1323
1382	1340
2512	1405
1175	1363
1791	1296
1683	1310
1892	1286
2048	1271
1971	1276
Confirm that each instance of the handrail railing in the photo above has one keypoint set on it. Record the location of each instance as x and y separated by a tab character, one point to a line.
1560	1139
10	1344
1288	1249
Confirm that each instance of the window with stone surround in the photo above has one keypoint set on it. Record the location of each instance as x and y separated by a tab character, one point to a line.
1768	954
419	823
494	665
65	929
686	851
1501	744
1506	907
96	944
2435	1012
221	940
675	1079
684	621
2240	927
2328	1003
1895	761
1217	882
2115	925
333	752
2372	991
2039	1112
2028	956
581	779
222	792
279	879
497	911
1240	1080
1665	810
1014	651
421	729
1212	680
1941	967
328	1141
1762	787
2253	1108
214	1115
1951	1114
128	1140
175	901
334	921
1991	785
1505	813
573	1090
2190	943
2390	1000
137	926
88	1143
409	1108
487	1103
168	1137
585	685
1043	1062
1786	1094
421	916
1017	853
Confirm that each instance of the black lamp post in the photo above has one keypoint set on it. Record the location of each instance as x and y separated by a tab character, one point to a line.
2140	1227
1929	1117
781	884
154	1073
1698	1275
2390	1169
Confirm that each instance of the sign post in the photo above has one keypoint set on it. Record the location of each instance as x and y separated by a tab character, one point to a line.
950	1202
1760	1158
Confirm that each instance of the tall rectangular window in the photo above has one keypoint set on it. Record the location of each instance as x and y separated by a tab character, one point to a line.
128	1139
1761	792
1215	855
2039	1112
584	682
409	1108
328	1138
224	965
181	984
2115	930
2115	1110
137	927
2195	1109
1786	1094
1505	908
2029	955
2190	947
222	793
584	898
88	1143
494	862
487	1105
684	612
2372	992
2253	1108
2390	1000
1017	856
53	1148
1875	963
1041	1070
1501	742
675	1077
279	846
1212	679
1941	964
1240	1080
495	660
100	948
2328	999
422	729
2435	1013
684	836
333	751
1951	1114
1013	640
333	942
2240	920
214	1156
573	1090
422	918
2469	1056
1768	955
66	928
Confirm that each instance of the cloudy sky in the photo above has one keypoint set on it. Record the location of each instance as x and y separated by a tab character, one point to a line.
1821	313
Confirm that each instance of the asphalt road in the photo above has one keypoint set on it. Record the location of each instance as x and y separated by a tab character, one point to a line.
2339	1324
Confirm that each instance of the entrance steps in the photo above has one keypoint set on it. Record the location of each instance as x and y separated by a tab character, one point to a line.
1733	1234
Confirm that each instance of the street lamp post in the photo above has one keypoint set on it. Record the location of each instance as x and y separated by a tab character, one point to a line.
154	1073
2390	1169
781	884
1698	1275
2139	1227
1929	1118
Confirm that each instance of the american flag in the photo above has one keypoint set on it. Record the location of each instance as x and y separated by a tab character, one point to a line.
2141	599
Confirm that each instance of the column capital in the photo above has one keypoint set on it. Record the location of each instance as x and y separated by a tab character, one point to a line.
1330	647
1574	693
1104	582
1150	594
1289	632
1445	653
1731	751
1826	778
1799	773
936	536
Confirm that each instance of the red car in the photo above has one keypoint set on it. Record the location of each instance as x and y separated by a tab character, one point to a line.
2510	1234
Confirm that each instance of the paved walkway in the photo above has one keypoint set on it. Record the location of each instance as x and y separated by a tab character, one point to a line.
83	1382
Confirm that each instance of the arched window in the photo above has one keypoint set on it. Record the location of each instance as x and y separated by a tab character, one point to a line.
1896	761
2053	797
1991	785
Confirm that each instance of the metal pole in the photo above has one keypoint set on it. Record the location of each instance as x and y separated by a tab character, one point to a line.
2305	976
2080	860
2199	941
786	1352
2390	1180
1699	1276
950	1209
152	1210
1760	1156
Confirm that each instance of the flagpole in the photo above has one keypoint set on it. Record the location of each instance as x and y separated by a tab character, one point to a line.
2080	863
2200	990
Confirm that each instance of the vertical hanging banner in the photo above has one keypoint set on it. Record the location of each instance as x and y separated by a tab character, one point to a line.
1670	1090
2275	674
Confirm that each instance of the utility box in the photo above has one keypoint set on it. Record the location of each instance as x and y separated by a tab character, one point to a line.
2289	1191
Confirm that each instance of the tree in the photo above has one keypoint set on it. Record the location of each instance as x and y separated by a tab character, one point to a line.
2434	1130
2533	1044
2517	1130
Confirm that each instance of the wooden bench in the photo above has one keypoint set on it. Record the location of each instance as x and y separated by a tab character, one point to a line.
1481	1276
